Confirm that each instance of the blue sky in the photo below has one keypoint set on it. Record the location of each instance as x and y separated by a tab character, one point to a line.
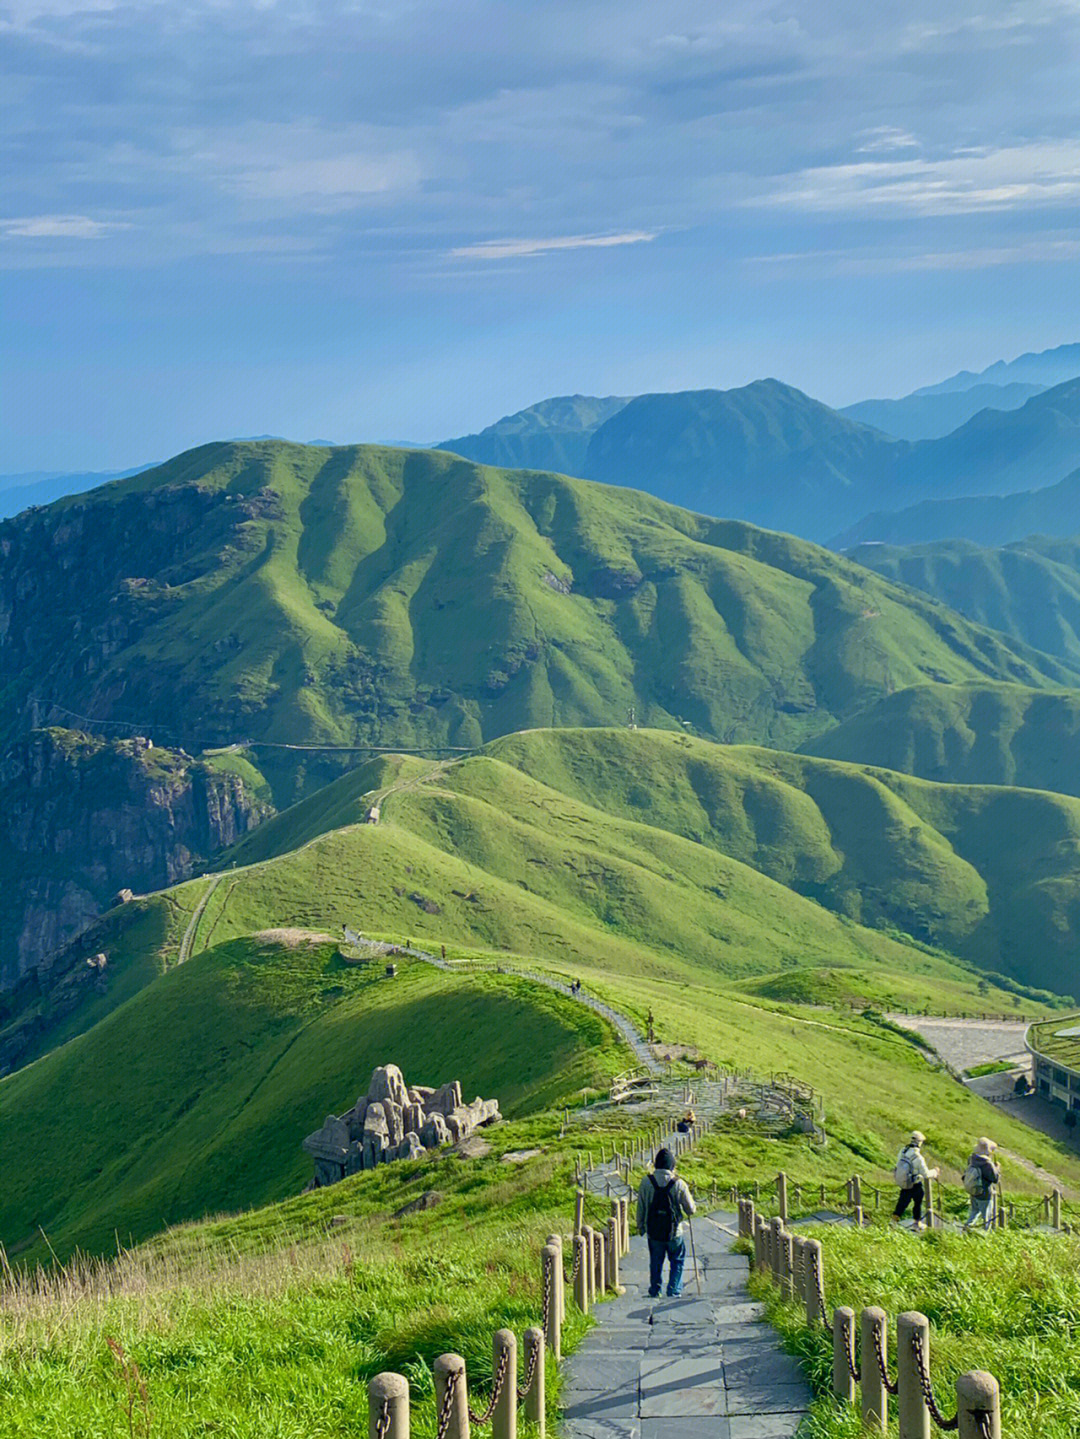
396	220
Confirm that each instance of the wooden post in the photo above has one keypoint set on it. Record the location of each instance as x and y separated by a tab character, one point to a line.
555	1240
613	1256
875	1397
504	1415
787	1285
581	1276
978	1405
393	1391
812	1253
579	1210
535	1407
843	1354
781	1195
550	1276
913	1414
446	1368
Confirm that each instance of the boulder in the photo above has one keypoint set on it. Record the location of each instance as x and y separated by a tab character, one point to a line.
434	1132
457	1126
375	1120
427	1200
445	1100
419	1094
387	1082
409	1148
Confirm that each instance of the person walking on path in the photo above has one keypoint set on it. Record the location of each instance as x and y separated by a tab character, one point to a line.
911	1170
979	1179
663	1202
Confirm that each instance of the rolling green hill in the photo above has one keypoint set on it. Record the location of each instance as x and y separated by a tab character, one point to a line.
297	595
552	435
195	1095
1029	590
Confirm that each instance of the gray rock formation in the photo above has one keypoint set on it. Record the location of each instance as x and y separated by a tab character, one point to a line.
393	1121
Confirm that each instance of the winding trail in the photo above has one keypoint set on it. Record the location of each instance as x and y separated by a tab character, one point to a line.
188	942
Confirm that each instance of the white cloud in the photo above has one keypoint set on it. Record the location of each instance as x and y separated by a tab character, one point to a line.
334	175
58	227
514	249
1036	251
966	182
885	138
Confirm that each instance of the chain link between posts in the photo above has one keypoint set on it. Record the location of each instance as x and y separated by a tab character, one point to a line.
496	1392
446	1409
890	1387
534	1364
849	1351
382	1424
928	1388
547	1280
820	1286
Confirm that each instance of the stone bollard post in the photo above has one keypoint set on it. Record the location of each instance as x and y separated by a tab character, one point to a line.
535	1407
616	1215
781	1195
751	1218
550	1277
393	1391
504	1415
613	1256
813	1260
1055	1209
600	1277
978	1406
759	1243
787	1266
857	1216
913	1414
450	1369
875	1397
590	1262
798	1266
843	1354
856	1190
560	1275
928	1203
581	1275
776	1236
579	1210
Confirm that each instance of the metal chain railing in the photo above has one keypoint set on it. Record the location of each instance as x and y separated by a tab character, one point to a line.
855	1370
382	1424
883	1369
819	1284
928	1388
530	1374
547	1281
496	1391
446	1409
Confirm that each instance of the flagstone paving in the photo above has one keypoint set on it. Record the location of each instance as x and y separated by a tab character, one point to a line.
704	1366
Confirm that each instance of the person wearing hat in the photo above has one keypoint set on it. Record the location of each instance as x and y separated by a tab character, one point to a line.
979	1179
663	1202
911	1170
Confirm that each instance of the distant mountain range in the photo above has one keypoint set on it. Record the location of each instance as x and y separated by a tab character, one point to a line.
1045	368
552	435
929	416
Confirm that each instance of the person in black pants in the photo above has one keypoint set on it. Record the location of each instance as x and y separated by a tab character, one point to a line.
911	1170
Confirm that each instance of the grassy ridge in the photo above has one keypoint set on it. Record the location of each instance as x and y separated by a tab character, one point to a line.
194	1096
300	595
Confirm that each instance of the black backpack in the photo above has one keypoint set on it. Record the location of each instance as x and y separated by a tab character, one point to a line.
662	1219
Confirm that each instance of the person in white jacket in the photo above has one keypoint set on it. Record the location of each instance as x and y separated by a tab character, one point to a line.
911	1170
664	1201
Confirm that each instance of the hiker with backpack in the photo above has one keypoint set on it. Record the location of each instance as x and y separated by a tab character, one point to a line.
911	1170
664	1201
980	1176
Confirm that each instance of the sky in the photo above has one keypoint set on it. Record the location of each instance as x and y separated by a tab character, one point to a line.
400	219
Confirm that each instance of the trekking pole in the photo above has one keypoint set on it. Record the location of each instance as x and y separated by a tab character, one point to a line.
693	1254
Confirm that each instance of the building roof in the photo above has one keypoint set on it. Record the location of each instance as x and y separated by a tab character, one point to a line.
1058	1040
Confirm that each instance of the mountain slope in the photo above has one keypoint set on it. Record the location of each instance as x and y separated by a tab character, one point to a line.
766	453
297	596
1045	367
982	519
967	734
1029	590
551	435
929	416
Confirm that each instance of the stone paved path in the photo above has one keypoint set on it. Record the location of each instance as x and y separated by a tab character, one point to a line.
698	1367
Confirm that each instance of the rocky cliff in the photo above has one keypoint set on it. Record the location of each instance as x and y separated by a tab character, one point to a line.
84	818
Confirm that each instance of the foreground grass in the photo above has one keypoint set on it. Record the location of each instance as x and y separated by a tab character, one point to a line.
1007	1303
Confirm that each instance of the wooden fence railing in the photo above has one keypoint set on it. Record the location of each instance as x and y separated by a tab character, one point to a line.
796	1266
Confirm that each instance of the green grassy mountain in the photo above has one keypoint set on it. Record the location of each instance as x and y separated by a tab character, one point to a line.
1029	590
967	734
291	595
929	416
551	435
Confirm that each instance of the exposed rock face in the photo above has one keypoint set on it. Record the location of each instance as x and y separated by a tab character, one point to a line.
392	1121
86	821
